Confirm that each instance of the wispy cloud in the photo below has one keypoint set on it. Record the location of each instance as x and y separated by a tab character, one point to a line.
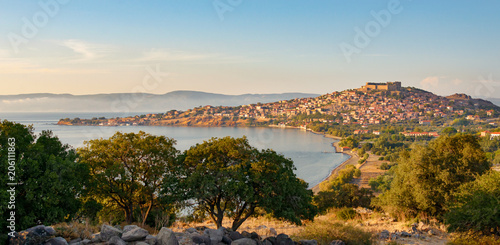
86	51
167	55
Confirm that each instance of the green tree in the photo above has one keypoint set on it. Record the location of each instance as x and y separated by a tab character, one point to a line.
349	142
475	206
128	171
427	176
49	180
228	177
449	131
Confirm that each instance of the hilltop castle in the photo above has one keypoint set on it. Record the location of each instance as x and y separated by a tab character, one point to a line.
388	86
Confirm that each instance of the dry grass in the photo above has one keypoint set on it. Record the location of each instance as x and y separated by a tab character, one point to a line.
73	230
473	239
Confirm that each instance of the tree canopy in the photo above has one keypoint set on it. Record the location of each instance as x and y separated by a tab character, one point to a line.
128	170
427	176
49	180
228	177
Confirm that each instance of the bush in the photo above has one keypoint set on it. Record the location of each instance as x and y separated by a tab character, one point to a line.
475	206
384	166
472	238
346	213
73	230
325	231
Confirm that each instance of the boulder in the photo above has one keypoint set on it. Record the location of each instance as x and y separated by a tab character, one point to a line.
270	240
337	242
75	241
234	235
141	243
308	242
272	232
283	239
85	242
246	234
191	230
96	238
244	241
166	237
134	234
109	231
215	235
116	240
56	241
151	240
226	240
201	239
129	228
255	236
35	235
384	235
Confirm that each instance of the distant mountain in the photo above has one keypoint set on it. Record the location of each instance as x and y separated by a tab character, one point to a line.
495	101
132	102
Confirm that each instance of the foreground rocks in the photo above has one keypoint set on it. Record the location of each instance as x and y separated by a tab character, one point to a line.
134	235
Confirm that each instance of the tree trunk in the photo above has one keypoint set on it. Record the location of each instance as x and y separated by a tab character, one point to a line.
128	215
145	216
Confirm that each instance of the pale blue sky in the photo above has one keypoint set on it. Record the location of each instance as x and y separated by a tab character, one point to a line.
97	46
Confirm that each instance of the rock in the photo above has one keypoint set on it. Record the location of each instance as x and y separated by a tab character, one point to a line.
166	237
337	242
234	235
190	230
119	227
96	238
56	241
431	232
308	242
226	240
246	234
215	235
109	231
50	231
85	242
198	239
129	228
384	235
255	236
261	227
272	232
116	240
141	243
267	242
77	240
271	240
244	241
404	234
151	240
34	235
134	234
283	239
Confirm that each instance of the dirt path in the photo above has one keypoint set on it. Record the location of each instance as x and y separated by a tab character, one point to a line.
370	169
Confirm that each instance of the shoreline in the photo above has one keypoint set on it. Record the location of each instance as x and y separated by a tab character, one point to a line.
353	159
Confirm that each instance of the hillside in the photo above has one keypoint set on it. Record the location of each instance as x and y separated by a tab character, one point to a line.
136	102
358	106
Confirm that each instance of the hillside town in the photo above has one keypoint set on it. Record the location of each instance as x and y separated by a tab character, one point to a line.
372	104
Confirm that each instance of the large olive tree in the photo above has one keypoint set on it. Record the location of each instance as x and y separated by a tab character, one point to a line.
128	170
226	177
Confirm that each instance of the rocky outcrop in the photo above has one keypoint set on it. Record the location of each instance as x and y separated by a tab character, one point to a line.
135	235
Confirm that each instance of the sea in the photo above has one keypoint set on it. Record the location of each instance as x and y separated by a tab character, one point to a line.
313	155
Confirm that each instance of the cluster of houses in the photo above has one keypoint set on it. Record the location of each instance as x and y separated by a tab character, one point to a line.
374	103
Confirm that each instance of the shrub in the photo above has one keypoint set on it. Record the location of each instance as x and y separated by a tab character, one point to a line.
325	231
346	213
73	230
475	206
384	166
472	238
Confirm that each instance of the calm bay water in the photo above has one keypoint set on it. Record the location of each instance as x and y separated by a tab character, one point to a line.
312	154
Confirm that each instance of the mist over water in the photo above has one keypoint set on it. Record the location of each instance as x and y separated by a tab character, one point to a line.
312	154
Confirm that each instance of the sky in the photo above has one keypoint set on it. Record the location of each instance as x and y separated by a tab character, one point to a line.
243	46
